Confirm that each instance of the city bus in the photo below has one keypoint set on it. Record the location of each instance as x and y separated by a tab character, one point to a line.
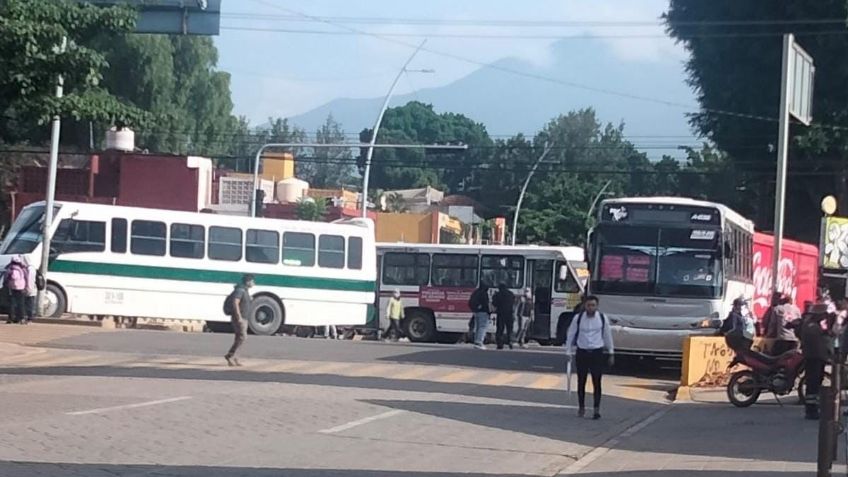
436	282
149	263
665	268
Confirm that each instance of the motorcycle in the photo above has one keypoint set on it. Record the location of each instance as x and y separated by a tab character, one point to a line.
779	375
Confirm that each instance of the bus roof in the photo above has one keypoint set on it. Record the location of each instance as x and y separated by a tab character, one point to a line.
726	212
569	253
214	219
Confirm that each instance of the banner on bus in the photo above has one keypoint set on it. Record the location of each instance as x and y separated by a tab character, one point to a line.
834	246
445	299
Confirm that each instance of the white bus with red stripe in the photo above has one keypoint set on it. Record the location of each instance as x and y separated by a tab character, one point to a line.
436	280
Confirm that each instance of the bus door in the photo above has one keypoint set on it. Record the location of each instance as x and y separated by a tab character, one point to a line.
540	279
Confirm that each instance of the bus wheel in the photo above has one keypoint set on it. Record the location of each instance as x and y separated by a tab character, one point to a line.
55	302
420	327
266	316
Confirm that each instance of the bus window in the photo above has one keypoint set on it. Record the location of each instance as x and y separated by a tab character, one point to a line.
454	270
565	281
331	251
406	269
80	236
187	241
224	244
507	269
298	249
119	235
147	238
354	253
262	246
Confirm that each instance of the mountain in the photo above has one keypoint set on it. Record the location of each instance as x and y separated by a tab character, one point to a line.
508	103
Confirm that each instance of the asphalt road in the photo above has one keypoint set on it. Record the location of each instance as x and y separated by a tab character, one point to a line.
133	403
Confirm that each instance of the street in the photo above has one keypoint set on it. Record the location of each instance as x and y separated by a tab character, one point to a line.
90	402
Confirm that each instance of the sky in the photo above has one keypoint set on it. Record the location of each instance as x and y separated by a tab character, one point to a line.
282	73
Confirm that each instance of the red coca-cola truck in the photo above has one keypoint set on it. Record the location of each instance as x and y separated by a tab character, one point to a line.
797	276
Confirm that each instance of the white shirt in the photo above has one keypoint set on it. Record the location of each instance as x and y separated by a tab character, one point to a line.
593	333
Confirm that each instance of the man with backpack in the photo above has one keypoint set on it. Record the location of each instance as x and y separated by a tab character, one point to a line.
738	329
237	307
15	280
589	343
480	308
504	302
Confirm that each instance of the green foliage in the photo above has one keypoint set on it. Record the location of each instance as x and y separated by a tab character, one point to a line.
741	74
31	60
395	203
329	167
310	209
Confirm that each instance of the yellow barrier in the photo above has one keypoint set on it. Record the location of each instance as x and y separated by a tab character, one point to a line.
705	361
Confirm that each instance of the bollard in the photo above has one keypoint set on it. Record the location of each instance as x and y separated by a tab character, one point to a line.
827	431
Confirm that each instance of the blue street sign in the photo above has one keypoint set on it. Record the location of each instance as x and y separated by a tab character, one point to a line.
173	17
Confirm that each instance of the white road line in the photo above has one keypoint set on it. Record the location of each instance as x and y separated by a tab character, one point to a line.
127	406
599	451
359	422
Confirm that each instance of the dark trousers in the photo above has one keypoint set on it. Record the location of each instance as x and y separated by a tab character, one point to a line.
30	307
240	332
17	305
782	346
504	331
814	369
394	327
590	361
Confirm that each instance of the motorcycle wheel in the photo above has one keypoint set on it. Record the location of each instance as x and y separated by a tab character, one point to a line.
742	390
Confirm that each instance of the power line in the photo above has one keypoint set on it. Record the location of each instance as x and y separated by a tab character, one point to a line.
572	84
531	23
499	36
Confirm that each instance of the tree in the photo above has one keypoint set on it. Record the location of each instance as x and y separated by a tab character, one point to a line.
175	78
311	209
395	203
31	60
737	81
418	123
330	167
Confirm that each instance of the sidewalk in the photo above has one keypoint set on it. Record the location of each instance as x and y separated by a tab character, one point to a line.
713	438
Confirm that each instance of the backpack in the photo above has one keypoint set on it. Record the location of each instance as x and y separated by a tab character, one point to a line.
229	303
40	283
15	277
580	318
474	302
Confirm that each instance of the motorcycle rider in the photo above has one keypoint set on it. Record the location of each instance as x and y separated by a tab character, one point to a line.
736	328
783	318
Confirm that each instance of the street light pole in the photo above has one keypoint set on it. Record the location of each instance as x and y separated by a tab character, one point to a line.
524	189
787	76
595	201
367	173
52	170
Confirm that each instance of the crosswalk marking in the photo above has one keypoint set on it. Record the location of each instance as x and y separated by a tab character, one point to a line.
548	381
501	379
455	377
417	372
329	368
374	370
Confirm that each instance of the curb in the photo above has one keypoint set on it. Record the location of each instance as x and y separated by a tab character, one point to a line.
183	326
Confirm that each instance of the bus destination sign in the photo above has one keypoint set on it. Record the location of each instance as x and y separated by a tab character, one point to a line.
621	213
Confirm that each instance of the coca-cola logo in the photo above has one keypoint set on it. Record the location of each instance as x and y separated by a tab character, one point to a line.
786	279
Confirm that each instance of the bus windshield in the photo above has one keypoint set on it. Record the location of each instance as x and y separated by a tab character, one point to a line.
657	261
25	233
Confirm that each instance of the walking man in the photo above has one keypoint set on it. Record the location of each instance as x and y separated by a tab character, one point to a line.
394	313
524	313
15	282
480	309
237	306
589	343
504	302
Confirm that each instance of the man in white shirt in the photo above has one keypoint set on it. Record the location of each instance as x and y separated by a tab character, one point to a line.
589	343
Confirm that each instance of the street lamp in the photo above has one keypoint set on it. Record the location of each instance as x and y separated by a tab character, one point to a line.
595	201
524	189
366	175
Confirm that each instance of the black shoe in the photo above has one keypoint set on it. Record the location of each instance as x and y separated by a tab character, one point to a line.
230	361
581	412
510	346
500	346
596	415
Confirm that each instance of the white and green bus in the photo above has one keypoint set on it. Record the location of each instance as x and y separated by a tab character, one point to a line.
151	263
